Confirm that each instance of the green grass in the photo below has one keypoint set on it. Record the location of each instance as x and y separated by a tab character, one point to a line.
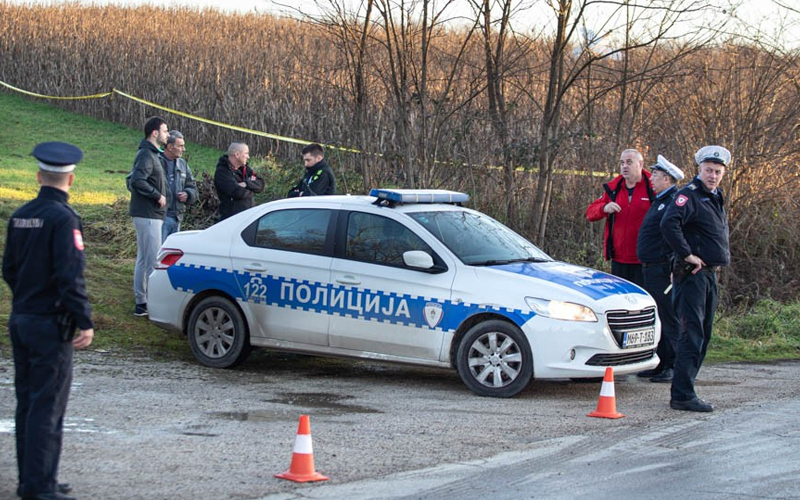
768	331
100	196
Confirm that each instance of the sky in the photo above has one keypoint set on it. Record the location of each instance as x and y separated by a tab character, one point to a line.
764	15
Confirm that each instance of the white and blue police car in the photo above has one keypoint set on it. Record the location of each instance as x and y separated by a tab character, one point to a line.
408	276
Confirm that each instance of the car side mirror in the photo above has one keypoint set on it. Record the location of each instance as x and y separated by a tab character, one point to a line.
418	259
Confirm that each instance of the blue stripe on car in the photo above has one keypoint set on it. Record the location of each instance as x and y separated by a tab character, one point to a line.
325	298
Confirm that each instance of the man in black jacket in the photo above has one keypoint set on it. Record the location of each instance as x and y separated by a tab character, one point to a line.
696	227
318	179
148	187
43	265
656	257
235	181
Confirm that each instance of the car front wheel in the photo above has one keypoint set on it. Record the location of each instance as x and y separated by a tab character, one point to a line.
494	359
217	333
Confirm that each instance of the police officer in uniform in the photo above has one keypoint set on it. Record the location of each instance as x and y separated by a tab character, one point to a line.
696	227
43	264
656	257
318	179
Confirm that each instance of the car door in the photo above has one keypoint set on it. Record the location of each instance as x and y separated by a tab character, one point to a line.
282	262
379	304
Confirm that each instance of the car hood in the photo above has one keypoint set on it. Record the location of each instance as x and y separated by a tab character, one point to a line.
571	283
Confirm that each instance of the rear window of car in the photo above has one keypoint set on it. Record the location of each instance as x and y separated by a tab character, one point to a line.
300	230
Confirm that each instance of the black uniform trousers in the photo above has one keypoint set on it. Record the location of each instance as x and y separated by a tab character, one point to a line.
695	298
43	374
656	280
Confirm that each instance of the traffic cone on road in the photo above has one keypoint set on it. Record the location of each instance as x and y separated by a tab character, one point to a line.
607	404
301	469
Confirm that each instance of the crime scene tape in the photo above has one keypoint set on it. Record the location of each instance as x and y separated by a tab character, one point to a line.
33	94
258	132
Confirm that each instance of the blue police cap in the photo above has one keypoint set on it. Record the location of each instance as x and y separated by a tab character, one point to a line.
59	157
715	154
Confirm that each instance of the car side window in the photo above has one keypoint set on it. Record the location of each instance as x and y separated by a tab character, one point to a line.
380	240
300	230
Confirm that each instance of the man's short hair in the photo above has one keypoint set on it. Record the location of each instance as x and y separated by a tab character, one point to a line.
314	149
636	151
236	147
152	124
174	135
54	178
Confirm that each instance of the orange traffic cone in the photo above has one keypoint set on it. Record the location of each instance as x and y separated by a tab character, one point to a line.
301	469
607	404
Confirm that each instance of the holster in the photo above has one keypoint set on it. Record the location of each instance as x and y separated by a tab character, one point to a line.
66	326
680	270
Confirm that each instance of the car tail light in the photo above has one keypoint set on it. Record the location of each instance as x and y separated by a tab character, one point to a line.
168	257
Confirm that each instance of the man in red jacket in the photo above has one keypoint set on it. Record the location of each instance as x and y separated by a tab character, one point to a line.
623	205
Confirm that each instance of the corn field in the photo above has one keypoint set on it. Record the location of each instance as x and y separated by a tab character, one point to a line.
530	125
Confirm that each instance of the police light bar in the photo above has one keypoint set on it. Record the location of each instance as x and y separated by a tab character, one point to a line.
419	195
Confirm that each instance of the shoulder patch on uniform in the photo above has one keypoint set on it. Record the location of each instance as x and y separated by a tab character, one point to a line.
78	239
692	186
681	200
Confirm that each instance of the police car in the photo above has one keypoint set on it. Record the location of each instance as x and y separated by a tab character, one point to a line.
408	276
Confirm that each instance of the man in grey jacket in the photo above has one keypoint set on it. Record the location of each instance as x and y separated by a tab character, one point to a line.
181	188
148	187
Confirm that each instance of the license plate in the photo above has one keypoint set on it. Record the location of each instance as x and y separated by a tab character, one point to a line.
640	338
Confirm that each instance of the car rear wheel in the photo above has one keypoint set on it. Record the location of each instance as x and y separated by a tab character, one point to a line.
217	333
494	359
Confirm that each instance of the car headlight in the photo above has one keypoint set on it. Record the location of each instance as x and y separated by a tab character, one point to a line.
557	309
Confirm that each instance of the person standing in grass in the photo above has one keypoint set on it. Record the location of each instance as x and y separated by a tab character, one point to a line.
148	186
43	264
235	181
182	189
318	179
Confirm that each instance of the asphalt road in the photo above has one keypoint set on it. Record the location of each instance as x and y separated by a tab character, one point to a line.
144	429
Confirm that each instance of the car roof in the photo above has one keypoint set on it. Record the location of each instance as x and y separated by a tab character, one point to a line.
368	203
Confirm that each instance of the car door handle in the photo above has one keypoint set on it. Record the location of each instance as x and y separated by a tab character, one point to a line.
255	267
348	280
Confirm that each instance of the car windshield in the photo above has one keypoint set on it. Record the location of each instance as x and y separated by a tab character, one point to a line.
479	240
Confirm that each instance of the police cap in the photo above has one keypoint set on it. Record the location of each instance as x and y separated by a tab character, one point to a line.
715	154
58	157
665	166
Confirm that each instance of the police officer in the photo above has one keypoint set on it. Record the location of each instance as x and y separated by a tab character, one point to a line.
655	255
43	264
318	179
696	227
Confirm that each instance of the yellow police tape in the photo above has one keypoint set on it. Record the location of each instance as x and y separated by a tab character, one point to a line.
93	96
251	131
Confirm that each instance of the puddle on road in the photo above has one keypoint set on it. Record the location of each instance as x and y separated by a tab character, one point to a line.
323	403
313	403
80	425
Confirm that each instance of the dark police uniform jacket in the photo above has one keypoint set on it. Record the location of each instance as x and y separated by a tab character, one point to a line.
44	260
318	180
651	247
696	223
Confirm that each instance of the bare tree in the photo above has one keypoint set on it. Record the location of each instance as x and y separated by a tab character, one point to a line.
641	25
